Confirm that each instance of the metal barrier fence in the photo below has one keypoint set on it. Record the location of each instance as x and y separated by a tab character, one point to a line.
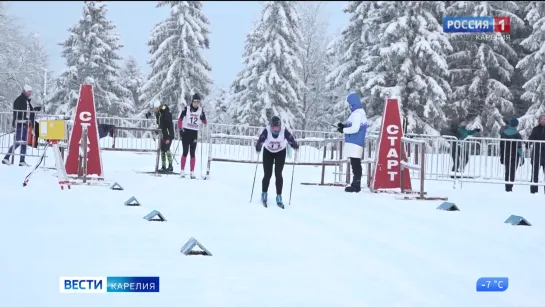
312	152
16	132
474	160
477	159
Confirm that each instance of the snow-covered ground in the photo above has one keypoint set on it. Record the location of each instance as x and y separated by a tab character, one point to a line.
328	248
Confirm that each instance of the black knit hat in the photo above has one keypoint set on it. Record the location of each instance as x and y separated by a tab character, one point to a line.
197	96
275	121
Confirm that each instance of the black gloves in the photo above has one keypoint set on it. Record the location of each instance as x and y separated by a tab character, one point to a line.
477	130
258	147
501	160
148	115
37	109
295	146
340	127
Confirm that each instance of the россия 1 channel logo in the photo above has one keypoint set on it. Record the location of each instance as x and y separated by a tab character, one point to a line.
109	284
485	27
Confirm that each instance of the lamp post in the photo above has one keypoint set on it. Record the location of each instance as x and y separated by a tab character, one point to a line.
44	93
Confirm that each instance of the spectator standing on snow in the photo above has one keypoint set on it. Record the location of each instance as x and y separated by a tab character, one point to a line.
460	152
538	152
23	114
511	155
354	130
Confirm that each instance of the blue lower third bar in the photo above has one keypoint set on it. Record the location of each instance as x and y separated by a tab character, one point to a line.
133	284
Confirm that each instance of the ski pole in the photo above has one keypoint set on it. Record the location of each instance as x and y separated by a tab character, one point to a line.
292	172
201	157
176	151
27	178
177	146
255	174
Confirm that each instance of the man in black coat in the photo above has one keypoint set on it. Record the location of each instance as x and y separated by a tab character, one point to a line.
538	153
511	155
23	114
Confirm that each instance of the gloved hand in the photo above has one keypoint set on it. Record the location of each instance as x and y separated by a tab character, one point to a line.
295	146
501	160
181	132
148	115
167	141
477	130
37	109
340	127
258	148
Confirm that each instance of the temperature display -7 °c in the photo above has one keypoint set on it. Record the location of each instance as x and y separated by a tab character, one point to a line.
492	284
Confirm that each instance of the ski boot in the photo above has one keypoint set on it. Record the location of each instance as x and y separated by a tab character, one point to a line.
182	174
192	175
170	169
23	163
6	162
355	187
163	169
264	199
279	202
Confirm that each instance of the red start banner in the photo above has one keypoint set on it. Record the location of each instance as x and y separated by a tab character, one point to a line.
390	153
85	117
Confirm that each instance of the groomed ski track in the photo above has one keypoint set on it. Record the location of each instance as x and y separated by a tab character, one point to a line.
328	248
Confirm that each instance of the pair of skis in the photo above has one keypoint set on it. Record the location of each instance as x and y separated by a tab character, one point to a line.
185	176
264	203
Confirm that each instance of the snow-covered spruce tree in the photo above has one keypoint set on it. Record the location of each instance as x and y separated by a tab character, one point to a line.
270	83
222	110
244	87
404	55
348	50
132	79
533	66
336	110
177	63
481	69
22	60
91	54
517	35
314	100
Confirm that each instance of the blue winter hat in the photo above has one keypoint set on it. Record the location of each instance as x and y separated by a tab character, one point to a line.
354	101
514	122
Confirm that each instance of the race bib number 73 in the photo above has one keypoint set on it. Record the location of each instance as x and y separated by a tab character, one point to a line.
274	145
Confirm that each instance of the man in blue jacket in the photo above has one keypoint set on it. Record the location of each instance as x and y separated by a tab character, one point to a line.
354	139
